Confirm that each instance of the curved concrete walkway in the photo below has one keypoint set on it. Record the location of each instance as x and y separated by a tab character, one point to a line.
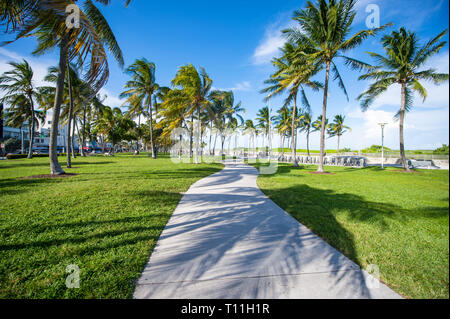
226	239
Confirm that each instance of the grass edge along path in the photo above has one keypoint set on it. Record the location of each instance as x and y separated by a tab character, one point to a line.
106	220
395	220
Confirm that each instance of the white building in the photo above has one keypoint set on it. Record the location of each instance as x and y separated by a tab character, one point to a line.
41	136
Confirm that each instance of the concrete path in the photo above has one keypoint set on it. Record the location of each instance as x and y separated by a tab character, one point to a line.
226	239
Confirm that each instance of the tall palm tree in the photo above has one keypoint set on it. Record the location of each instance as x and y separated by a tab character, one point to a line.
306	126
402	66
219	115
337	128
16	84
265	120
196	87
140	90
323	33
75	93
283	125
136	110
232	110
293	74
251	130
232	113
173	115
46	19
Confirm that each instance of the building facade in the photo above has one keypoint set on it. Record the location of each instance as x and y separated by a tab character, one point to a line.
41	136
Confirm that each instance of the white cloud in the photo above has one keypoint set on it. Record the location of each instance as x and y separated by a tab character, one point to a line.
423	128
111	99
39	65
272	41
241	86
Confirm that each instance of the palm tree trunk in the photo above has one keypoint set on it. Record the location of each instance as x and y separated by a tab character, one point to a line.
294	130
73	137
324	117
31	126
223	144
83	133
282	143
191	137
181	147
402	119
69	122
338	149
138	137
210	138
307	142
55	168
197	135
30	144
152	144
214	147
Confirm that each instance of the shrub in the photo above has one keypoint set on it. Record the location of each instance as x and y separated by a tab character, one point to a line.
444	150
11	144
375	149
18	156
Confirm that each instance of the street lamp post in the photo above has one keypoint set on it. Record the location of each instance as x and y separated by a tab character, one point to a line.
382	143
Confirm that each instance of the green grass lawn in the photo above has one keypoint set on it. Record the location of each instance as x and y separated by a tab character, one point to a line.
396	220
106	220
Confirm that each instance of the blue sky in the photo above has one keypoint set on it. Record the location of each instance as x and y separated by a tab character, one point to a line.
235	40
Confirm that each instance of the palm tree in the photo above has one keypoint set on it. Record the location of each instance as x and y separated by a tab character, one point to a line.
136	110
283	125
16	84
19	113
232	110
114	125
306	126
173	115
219	116
264	121
76	93
46	20
317	124
402	66
323	37
293	73
337	128
140	89
196	87
252	130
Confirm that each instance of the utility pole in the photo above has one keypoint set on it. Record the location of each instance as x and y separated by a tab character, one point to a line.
382	143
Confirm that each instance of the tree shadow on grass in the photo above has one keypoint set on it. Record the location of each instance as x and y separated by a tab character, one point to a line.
19	165
14	185
316	209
